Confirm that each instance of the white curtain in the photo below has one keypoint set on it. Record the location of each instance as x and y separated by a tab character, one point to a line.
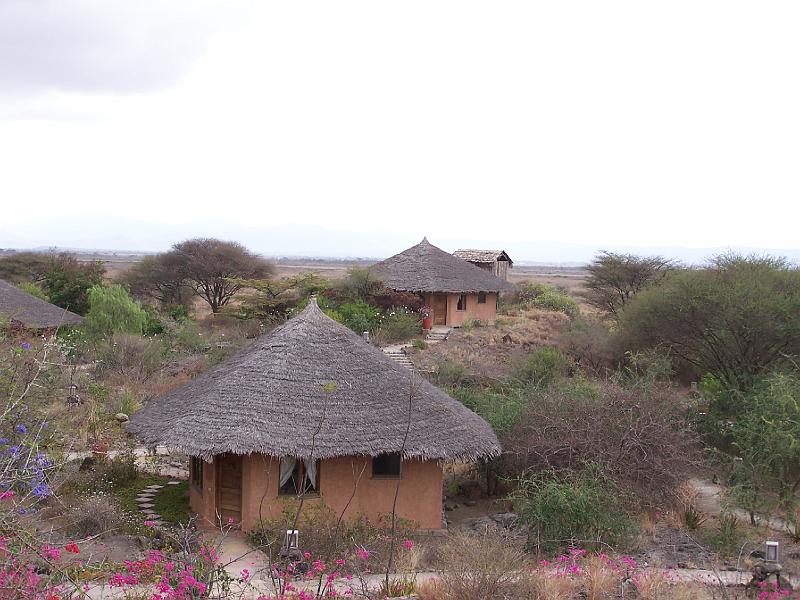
287	468
311	472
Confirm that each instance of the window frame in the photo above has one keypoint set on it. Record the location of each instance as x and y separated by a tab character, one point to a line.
459	303
308	490
481	297
398	475
196	473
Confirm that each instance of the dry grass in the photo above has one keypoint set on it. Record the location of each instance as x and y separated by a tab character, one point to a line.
484	351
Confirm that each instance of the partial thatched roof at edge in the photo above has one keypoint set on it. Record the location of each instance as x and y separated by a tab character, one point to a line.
33	312
312	386
426	268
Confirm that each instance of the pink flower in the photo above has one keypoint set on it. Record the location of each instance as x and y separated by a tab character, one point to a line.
362	554
408	544
6	495
245	574
149	523
73	548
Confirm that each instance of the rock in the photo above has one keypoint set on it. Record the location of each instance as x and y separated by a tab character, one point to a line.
121	418
758	554
506	519
87	464
176	465
470	503
147	505
482	524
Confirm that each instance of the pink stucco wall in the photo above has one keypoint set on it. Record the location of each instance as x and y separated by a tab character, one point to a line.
486	312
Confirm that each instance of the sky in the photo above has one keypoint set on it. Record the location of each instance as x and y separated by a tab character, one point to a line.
554	129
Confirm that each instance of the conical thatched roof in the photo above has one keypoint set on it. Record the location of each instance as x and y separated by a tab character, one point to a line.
31	311
426	268
313	382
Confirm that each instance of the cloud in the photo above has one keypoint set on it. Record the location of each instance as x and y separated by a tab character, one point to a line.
99	45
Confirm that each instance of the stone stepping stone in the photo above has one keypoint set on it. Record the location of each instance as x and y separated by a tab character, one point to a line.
151	514
145	505
154	487
173	483
144	497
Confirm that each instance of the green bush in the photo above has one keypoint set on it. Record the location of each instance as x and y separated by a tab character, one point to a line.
111	310
500	409
420	344
544	366
358	316
449	373
131	355
399	324
580	510
546	297
33	290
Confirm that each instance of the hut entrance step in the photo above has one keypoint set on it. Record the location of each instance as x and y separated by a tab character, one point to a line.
399	357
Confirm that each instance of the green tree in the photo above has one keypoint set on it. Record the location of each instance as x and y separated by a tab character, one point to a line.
614	279
212	268
68	280
158	277
112	310
736	319
22	267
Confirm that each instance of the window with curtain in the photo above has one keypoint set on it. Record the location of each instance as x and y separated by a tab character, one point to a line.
462	302
298	476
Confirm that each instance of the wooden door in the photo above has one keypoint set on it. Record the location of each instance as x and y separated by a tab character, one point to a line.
440	309
229	487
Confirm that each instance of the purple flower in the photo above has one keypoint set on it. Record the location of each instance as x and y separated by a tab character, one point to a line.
22	511
25	346
21	428
41	491
3	441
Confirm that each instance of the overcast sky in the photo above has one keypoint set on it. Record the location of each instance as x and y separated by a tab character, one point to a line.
355	128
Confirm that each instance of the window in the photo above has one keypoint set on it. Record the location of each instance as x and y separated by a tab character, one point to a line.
196	472
298	476
462	302
481	297
386	466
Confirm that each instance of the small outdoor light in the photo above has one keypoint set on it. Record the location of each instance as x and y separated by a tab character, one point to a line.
73	397
292	539
771	551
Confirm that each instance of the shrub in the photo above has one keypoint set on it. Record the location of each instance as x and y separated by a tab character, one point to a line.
543	367
68	281
358	316
420	344
543	297
642	439
479	566
501	410
590	344
449	373
111	310
399	324
131	355
93	515
33	289
581	509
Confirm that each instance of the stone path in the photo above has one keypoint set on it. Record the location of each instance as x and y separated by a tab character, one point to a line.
710	500
146	459
146	504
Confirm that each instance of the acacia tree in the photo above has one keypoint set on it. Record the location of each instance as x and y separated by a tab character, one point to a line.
211	268
158	277
736	319
614	279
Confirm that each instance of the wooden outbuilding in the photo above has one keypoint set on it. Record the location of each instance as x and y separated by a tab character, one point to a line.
456	290
311	409
494	261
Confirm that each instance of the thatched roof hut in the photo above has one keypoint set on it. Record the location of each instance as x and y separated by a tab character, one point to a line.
426	268
312	387
33	312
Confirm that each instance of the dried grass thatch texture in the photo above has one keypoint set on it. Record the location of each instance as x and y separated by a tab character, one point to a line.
313	383
426	268
33	312
483	256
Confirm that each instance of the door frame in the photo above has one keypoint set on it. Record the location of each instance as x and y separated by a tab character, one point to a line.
218	485
446	298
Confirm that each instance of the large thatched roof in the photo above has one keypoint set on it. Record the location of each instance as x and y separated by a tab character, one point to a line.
426	268
31	311
313	383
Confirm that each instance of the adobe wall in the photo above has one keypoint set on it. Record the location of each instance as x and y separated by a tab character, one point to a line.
419	500
483	312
